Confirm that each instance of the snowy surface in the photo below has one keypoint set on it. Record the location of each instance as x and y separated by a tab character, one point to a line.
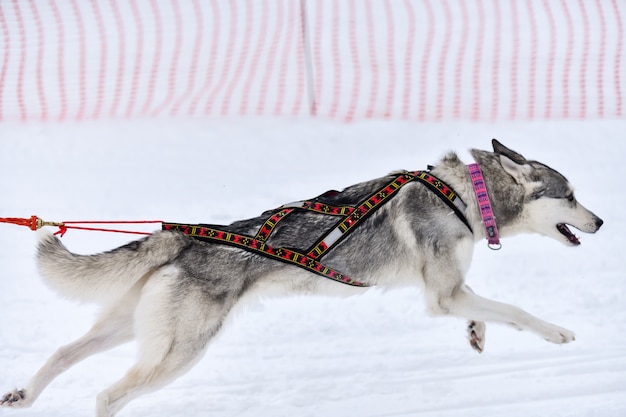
374	355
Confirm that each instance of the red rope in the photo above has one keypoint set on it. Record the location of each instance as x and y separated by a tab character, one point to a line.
67	225
30	223
34	223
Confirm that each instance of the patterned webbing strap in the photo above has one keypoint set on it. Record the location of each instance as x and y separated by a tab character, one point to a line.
486	212
374	202
351	217
270	224
446	194
259	247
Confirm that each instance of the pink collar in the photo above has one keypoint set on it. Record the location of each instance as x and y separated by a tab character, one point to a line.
489	220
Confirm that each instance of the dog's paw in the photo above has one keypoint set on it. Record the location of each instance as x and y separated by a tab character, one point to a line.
559	335
15	398
476	335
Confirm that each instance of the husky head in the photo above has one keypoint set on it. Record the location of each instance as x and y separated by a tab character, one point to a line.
528	196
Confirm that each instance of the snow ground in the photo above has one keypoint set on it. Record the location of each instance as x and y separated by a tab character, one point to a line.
374	355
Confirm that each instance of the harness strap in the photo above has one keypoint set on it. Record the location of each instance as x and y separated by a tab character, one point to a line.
321	208
270	224
362	211
374	202
315	206
351	217
259	247
447	194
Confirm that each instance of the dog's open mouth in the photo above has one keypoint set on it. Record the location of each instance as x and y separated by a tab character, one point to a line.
564	230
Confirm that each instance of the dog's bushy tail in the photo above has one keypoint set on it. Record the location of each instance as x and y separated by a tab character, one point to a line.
102	277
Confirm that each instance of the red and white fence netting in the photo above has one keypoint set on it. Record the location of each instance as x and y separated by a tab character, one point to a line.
409	59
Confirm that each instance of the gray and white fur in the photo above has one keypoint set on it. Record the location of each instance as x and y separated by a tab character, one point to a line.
172	293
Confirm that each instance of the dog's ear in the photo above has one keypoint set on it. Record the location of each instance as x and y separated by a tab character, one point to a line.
500	149
513	163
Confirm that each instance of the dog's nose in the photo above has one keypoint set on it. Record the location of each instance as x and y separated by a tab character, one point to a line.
599	223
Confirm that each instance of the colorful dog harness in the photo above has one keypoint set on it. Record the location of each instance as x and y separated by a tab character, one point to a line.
349	217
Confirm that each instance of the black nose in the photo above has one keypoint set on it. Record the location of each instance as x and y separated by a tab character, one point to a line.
599	222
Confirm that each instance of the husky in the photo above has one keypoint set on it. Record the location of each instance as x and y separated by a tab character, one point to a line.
172	293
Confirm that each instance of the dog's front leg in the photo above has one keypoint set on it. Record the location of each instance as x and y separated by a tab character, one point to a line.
476	334
462	302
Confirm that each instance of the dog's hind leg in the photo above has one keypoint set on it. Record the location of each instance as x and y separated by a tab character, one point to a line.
175	320
114	327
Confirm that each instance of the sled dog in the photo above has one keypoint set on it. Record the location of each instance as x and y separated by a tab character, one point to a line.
172	292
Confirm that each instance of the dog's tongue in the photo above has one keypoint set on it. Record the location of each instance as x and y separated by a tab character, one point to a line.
564	230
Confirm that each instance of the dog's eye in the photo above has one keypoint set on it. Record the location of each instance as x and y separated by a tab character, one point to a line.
570	198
